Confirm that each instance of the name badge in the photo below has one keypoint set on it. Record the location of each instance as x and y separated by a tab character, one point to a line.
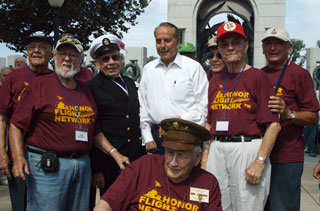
81	135
200	195
222	125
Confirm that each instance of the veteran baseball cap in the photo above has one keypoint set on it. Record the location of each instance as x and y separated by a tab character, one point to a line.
105	43
212	42
230	27
70	40
183	134
277	32
186	47
39	35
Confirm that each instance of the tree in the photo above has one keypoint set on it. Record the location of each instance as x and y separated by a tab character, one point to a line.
150	58
83	18
296	54
318	43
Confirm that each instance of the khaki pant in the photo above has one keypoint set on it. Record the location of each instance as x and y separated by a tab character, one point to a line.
228	162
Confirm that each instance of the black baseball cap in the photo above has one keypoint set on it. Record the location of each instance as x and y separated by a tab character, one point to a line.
39	35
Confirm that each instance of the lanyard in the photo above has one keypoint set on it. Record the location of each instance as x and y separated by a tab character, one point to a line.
30	73
70	99
234	87
124	88
279	77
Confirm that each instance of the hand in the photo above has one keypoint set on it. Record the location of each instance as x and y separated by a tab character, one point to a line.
4	165
162	132
98	180
20	166
120	159
254	172
151	146
316	171
278	105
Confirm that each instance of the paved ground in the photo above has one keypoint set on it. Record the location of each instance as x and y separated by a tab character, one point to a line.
310	193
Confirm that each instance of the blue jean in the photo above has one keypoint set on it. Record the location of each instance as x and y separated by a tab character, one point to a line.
67	189
310	131
285	188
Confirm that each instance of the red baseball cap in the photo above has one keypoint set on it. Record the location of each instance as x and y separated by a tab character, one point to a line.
230	27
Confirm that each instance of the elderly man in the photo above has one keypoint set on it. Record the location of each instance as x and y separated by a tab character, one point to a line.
238	117
295	100
216	62
59	131
118	107
3	73
83	74
172	86
20	62
169	182
39	51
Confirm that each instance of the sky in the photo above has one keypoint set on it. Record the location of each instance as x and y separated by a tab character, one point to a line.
302	22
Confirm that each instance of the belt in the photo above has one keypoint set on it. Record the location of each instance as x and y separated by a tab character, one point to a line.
236	138
62	155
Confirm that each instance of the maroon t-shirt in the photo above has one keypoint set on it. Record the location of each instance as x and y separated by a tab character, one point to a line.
84	75
144	185
297	90
49	119
13	87
248	109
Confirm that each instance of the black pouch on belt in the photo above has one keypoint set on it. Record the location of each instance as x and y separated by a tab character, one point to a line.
49	161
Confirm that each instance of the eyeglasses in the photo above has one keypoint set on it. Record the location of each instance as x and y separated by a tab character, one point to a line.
211	55
275	44
113	57
70	55
234	43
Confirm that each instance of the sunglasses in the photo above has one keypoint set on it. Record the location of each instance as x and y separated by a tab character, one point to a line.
113	57
211	55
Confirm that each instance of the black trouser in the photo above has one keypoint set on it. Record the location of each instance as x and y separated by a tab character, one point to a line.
18	192
155	134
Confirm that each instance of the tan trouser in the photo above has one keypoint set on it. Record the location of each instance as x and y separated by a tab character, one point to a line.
228	162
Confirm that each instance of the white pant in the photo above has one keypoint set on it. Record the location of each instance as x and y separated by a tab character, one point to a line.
228	162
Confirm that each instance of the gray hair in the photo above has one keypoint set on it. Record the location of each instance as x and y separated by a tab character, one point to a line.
197	149
5	68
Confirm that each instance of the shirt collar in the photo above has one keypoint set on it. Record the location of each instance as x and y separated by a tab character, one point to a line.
177	61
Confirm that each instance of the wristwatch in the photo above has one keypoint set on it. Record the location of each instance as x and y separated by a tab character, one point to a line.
292	115
261	159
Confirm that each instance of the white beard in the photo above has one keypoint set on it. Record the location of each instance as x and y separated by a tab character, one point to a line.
69	74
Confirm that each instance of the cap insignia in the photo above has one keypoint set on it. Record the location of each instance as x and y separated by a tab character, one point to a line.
175	125
106	41
274	31
69	40
230	26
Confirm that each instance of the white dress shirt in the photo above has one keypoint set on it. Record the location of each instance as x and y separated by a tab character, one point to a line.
181	89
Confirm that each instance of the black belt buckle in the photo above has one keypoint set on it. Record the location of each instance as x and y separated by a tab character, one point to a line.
74	155
224	138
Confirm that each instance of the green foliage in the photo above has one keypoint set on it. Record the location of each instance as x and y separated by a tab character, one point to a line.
298	47
318	43
82	18
150	58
